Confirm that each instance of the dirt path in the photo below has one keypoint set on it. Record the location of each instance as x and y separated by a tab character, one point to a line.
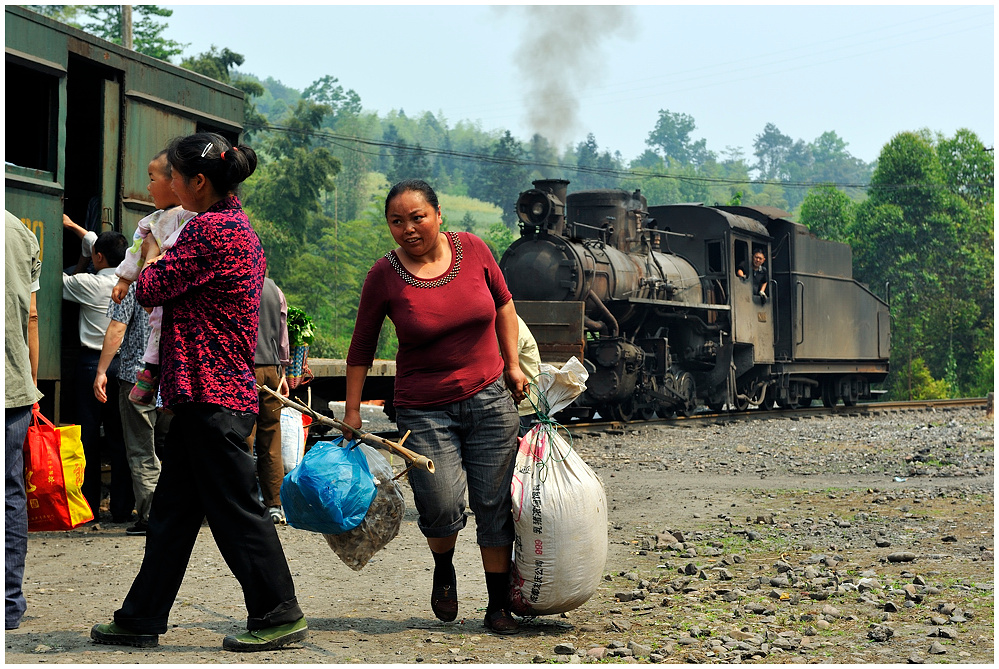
726	544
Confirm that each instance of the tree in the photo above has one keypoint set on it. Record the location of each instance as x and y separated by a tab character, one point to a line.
147	31
671	137
503	177
67	14
219	65
326	91
772	148
918	231
828	213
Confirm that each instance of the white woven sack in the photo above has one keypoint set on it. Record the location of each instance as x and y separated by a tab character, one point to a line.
292	438
560	516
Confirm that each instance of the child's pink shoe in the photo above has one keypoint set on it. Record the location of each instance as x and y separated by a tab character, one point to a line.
144	390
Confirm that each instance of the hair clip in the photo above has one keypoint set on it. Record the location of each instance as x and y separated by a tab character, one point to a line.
222	155
208	147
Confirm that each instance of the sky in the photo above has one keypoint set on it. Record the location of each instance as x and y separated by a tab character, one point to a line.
865	72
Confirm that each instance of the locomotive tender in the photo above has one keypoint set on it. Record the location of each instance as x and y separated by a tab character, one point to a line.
651	301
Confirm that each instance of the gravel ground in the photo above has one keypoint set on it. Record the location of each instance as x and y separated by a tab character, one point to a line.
841	539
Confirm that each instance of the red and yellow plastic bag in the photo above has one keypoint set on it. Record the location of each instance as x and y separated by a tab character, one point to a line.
53	476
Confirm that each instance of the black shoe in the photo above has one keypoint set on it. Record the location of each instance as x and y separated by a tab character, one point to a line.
137	530
444	600
501	622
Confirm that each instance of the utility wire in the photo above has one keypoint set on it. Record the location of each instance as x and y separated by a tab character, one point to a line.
344	142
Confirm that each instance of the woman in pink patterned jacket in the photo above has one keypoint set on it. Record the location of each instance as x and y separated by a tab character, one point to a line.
209	286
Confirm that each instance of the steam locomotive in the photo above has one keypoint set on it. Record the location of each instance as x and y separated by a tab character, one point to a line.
660	305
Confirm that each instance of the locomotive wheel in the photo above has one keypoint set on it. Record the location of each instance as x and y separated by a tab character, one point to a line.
849	399
624	411
768	402
649	412
829	398
685	386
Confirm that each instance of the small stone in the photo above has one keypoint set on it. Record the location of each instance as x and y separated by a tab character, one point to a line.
597	653
938	620
901	557
41	648
810	631
915	658
882	543
564	649
890	607
639	650
624	596
823	624
830	611
936	649
880	633
949	539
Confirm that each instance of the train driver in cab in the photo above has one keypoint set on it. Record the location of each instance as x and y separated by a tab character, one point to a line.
760	275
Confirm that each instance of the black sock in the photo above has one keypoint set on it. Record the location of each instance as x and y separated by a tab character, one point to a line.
498	587
443	568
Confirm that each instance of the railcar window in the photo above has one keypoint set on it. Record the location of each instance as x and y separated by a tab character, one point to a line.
742	257
715	263
30	108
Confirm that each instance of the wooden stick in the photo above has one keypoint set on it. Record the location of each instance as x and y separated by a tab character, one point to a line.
418	460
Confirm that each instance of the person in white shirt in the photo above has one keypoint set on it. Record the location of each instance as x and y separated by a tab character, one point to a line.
93	293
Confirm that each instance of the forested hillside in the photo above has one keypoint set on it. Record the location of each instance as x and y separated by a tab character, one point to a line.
920	220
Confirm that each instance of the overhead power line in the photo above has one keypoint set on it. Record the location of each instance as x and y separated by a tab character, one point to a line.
336	139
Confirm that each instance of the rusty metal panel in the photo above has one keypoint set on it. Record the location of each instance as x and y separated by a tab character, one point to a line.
29	33
557	328
837	319
147	132
819	256
111	150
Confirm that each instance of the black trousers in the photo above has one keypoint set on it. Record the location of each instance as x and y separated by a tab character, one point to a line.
91	415
208	472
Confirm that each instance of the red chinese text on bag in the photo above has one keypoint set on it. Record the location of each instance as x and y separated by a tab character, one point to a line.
53	474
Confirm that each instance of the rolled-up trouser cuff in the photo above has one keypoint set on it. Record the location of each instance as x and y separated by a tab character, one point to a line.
284	613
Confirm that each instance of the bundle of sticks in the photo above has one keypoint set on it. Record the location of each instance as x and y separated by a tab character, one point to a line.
414	459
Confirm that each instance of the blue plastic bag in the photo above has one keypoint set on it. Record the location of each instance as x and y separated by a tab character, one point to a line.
330	490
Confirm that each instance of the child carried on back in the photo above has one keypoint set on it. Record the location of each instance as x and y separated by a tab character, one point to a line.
154	234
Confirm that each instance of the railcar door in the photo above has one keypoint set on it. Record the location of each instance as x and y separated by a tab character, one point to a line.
752	314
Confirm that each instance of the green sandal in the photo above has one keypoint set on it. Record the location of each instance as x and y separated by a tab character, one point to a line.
267	638
114	634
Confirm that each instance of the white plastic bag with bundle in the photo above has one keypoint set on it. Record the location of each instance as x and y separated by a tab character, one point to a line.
559	510
292	438
382	521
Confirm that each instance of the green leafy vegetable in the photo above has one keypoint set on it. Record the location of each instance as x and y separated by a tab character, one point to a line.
300	327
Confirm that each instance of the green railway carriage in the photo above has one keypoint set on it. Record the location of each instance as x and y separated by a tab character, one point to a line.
84	116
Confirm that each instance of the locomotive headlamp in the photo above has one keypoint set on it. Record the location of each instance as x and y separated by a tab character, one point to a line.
536	207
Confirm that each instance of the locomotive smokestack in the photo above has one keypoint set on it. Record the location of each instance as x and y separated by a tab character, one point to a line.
556	187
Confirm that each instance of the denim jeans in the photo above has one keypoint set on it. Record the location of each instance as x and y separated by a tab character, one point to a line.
15	515
473	444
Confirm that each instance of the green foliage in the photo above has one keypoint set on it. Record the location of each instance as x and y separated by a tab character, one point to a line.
105	22
219	65
926	230
503	178
828	213
498	239
68	14
914	382
670	139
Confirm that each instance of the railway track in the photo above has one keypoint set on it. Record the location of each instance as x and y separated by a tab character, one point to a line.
755	414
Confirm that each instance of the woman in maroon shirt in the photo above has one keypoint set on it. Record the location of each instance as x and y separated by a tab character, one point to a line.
449	303
209	285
